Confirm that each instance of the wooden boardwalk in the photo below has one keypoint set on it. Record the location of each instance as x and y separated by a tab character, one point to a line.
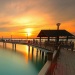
35	45
65	63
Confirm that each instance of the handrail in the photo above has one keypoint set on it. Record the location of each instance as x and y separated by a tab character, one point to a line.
53	63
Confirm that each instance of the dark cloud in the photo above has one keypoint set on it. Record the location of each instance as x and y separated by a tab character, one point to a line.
51	7
2	29
64	10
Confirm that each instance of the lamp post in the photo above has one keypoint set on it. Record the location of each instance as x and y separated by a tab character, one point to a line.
2	38
11	37
58	24
57	38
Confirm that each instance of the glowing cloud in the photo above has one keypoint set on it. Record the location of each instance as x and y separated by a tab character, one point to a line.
18	15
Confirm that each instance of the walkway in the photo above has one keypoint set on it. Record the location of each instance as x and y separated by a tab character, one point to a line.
66	63
25	42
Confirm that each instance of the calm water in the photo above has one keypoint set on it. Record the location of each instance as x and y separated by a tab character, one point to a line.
21	62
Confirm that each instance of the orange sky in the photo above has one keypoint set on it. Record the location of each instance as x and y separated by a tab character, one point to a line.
20	18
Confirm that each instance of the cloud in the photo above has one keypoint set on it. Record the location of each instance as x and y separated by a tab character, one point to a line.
54	8
4	23
42	13
64	10
3	29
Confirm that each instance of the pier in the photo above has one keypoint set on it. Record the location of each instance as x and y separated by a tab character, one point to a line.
24	42
53	49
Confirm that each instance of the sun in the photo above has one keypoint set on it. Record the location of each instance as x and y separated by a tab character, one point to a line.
29	34
28	31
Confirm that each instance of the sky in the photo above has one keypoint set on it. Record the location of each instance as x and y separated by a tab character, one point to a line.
20	18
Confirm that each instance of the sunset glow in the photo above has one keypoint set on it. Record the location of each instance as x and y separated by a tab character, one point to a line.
31	16
29	31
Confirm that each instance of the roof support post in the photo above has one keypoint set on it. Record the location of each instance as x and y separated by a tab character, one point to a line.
67	38
40	41
48	39
57	39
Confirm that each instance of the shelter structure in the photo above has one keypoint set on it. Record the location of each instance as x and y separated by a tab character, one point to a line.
57	34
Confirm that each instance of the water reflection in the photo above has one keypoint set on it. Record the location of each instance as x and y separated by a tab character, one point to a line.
31	54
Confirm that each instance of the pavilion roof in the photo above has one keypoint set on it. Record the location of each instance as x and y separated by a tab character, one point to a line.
54	33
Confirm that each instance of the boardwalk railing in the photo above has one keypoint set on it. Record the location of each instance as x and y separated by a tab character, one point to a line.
53	64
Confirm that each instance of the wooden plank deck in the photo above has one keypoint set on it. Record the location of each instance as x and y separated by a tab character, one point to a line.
66	63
